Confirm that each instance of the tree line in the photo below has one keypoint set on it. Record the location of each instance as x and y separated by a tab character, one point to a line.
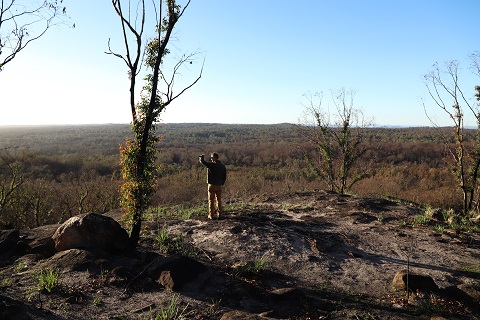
63	171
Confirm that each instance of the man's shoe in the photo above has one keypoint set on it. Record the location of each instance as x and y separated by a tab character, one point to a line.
210	216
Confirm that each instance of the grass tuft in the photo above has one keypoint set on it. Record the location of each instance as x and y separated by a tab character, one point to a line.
475	268
172	311
253	267
47	280
421	220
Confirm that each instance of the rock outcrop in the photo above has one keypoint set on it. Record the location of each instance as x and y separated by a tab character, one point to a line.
91	231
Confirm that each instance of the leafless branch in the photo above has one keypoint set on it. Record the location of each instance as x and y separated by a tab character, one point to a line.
169	83
475	62
16	20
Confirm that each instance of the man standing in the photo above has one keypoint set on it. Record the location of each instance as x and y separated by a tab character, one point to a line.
217	174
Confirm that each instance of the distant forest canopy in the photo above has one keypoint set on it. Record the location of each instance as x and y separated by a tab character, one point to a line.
181	143
105	138
405	163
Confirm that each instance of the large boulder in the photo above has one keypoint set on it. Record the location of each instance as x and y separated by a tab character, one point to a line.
91	231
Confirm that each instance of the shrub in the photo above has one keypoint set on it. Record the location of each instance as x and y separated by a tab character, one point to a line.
162	237
421	220
47	280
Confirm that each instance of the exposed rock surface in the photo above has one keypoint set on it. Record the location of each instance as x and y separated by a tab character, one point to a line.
91	231
300	256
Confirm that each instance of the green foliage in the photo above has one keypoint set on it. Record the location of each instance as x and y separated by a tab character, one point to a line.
174	243
186	212
449	219
172	311
439	228
237	206
5	281
463	223
287	206
253	267
421	219
19	267
139	174
181	246
47	280
162	237
473	269
181	212
138	156
97	301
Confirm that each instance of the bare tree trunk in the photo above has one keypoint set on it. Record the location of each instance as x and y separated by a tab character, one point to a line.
140	156
466	163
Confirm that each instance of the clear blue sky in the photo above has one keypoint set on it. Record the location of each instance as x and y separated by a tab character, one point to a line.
260	58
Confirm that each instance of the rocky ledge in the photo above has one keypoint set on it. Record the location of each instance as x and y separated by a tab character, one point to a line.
312	255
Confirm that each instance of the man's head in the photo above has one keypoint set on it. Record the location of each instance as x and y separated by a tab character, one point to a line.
214	156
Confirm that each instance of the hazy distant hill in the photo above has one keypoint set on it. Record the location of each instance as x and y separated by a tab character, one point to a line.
105	138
